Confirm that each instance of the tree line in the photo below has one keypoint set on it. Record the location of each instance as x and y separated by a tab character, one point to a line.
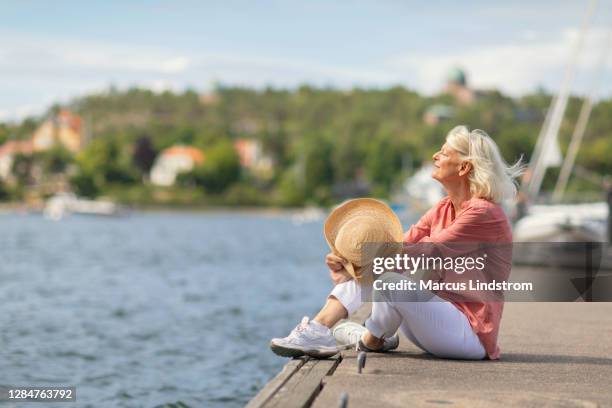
326	144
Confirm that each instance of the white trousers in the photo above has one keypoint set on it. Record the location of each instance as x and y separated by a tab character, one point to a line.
433	324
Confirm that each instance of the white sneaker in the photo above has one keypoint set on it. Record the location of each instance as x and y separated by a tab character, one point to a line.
306	339
350	333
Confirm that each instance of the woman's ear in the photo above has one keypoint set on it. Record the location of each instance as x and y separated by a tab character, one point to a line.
465	168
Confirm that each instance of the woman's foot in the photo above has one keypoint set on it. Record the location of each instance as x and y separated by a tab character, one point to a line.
308	338
352	333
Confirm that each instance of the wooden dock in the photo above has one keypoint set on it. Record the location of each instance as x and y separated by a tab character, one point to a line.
553	355
302	379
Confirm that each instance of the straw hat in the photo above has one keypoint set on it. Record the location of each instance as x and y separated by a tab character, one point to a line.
360	221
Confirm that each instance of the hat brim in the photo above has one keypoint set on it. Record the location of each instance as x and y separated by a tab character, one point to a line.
359	207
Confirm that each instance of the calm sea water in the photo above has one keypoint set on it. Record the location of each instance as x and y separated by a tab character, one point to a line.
154	308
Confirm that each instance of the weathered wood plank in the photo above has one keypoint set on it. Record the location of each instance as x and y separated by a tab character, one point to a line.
303	386
277	382
300	381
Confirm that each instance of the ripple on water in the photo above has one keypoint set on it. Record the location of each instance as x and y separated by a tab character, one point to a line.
170	352
234	311
76	354
146	336
193	298
99	377
119	313
284	297
167	388
177	404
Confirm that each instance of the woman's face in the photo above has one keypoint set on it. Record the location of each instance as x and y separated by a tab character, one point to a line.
447	165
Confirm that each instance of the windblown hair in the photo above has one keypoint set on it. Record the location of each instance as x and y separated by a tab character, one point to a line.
491	176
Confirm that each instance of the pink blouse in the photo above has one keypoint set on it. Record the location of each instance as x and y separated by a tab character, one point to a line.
481	221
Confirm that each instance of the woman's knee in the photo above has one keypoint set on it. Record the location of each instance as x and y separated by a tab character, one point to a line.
393	287
348	294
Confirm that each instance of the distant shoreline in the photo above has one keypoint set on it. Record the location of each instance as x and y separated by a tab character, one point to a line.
19	207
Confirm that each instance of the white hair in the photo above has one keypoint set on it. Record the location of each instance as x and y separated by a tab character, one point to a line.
491	176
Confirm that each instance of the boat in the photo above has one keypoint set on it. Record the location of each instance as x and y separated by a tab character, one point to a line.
308	215
561	234
64	204
421	191
563	223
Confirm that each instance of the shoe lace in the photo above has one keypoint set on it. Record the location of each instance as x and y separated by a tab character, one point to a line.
299	328
354	337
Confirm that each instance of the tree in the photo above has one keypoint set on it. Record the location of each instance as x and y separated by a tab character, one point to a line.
103	162
317	171
144	154
320	139
55	160
4	133
221	168
22	167
4	192
84	184
384	161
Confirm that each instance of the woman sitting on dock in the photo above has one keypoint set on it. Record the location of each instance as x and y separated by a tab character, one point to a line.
476	179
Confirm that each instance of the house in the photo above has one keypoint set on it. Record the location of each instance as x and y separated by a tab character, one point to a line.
457	86
253	158
8	151
249	151
173	161
65	129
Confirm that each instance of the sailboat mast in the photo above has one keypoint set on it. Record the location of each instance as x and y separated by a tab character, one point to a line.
549	137
583	119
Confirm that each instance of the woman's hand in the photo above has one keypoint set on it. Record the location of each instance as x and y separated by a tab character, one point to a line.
336	270
339	276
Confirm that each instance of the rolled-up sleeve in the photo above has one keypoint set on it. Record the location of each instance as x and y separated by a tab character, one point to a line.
421	229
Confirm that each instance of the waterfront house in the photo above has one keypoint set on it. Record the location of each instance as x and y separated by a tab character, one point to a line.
173	161
65	129
253	158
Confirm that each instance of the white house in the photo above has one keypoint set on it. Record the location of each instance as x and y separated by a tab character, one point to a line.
252	157
173	161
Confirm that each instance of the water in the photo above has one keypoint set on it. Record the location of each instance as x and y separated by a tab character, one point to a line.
154	308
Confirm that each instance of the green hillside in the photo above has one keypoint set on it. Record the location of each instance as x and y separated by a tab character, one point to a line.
324	143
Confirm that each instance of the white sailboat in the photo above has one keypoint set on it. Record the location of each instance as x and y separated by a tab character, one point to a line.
561	222
564	235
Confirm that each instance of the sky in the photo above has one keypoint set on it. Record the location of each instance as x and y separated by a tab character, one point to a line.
52	52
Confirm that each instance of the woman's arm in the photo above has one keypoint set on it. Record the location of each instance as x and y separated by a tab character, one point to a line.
422	228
